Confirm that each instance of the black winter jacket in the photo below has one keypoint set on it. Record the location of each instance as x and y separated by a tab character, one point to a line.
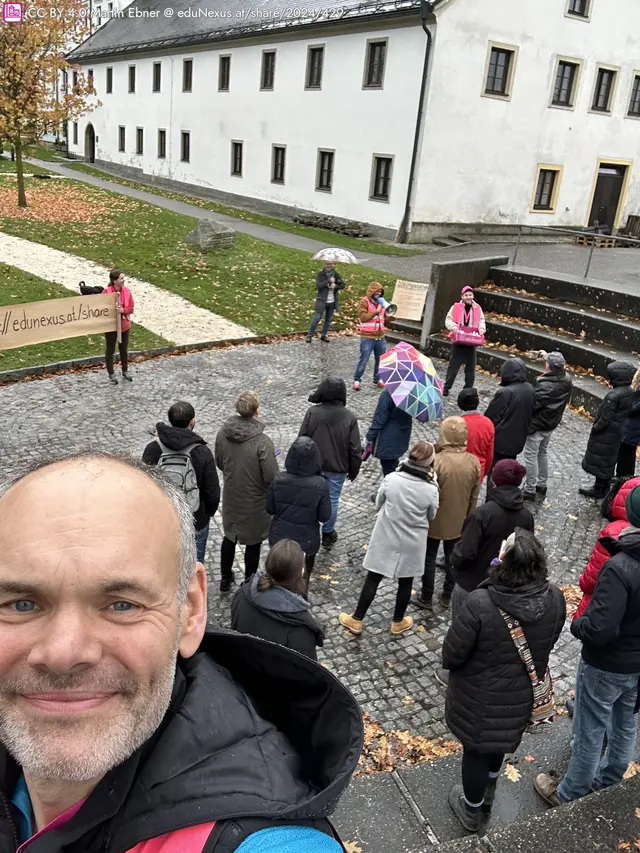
204	466
322	286
490	698
334	428
253	729
483	532
610	626
631	429
298	498
552	394
511	410
604	440
277	615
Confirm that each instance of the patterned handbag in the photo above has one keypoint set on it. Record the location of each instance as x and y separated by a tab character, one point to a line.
544	703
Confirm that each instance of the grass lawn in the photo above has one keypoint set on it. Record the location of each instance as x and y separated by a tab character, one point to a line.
7	165
266	287
330	238
18	286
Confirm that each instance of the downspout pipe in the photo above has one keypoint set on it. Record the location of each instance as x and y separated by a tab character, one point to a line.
426	8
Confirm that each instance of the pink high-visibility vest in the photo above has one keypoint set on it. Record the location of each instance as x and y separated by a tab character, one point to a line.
458	314
376	324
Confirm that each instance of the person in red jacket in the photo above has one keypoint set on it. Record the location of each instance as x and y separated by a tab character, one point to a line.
617	515
125	309
481	430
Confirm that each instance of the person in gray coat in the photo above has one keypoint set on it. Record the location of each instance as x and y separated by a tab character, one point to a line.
247	459
407	502
328	283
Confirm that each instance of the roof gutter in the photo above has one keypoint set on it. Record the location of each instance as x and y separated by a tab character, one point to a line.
426	9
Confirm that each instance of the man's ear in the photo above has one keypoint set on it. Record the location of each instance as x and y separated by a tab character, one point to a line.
194	614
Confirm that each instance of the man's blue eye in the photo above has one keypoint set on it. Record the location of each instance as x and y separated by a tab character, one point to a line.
122	606
24	606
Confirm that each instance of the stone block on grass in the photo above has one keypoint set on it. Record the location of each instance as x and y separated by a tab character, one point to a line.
210	234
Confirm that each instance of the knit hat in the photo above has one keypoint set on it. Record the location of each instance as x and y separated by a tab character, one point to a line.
467	288
632	506
468	399
556	360
509	472
426	451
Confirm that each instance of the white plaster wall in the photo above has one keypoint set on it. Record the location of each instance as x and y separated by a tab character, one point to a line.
343	116
479	158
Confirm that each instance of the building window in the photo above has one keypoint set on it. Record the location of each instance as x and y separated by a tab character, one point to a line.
139	140
603	93
109	81
579	8
75	133
381	178
99	14
634	103
110	8
65	82
277	164
500	71
162	144
121	138
132	78
75	81
374	64
268	69
236	159
565	87
157	76
546	188
185	146
324	177
187	75
315	61
90	78
224	73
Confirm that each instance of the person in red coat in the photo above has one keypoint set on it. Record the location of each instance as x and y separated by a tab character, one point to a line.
617	515
481	430
125	309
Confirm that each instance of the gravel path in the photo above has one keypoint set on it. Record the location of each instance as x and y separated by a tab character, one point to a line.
170	316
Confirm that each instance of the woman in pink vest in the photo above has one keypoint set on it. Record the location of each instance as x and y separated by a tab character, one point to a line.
125	309
371	316
466	314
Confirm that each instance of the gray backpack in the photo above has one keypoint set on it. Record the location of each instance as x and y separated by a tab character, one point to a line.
178	468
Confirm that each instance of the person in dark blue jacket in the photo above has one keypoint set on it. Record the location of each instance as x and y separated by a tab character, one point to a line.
298	500
389	434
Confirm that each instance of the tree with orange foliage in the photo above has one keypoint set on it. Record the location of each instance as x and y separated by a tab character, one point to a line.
32	59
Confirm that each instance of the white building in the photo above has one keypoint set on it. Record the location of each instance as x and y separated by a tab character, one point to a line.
531	108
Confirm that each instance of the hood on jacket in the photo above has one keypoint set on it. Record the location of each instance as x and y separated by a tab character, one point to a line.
513	370
240	429
303	457
277	598
620	373
175	438
331	390
374	287
627	543
508	497
453	433
527	603
618	508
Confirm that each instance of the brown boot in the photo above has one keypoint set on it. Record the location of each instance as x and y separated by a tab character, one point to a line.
347	621
402	627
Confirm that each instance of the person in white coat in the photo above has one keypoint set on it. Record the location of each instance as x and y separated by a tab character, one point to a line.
407	501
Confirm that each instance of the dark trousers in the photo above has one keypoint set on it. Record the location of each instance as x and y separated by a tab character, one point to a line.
111	338
228	553
477	768
309	563
328	312
429	576
461	354
626	460
388	466
369	593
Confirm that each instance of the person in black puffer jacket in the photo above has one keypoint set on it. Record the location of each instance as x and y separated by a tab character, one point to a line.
606	433
511	411
489	698
626	466
298	500
274	605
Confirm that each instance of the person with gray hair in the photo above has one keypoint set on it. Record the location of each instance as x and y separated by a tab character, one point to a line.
552	394
115	698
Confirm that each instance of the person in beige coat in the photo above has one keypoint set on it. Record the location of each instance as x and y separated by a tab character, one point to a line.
458	474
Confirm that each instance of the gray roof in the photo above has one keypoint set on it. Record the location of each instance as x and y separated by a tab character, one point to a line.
218	20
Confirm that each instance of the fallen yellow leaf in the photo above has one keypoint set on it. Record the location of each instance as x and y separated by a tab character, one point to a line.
623	845
632	770
529	758
638	813
420	628
512	773
352	847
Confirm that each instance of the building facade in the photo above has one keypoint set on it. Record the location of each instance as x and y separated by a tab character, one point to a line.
530	111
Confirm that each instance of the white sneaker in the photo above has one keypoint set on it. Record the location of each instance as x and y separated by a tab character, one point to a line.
356	386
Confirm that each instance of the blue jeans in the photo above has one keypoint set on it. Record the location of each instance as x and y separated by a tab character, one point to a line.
368	346
201	542
328	317
336	482
605	703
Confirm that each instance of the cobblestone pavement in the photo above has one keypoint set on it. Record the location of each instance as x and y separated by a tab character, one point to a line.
392	677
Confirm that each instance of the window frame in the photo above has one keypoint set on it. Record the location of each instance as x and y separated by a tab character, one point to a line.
322	151
74	81
131	68
108	81
234	143
163	156
122	138
372	183
185	134
555	191
602	66
367	63
227	57
574	15
139	141
75	133
275	146
577	79
635	81
187	78
511	74
265	53
158	66
307	74
90	78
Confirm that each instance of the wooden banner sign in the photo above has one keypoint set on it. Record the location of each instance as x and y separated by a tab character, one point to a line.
28	323
410	297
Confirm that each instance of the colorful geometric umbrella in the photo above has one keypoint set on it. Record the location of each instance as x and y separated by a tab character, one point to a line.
335	256
411	379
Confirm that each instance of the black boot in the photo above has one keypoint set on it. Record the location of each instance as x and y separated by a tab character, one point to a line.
593	492
470	817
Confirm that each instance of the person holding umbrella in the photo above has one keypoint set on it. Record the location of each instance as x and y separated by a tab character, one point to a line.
390	433
328	283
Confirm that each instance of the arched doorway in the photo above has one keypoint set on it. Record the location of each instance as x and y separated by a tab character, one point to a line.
90	144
